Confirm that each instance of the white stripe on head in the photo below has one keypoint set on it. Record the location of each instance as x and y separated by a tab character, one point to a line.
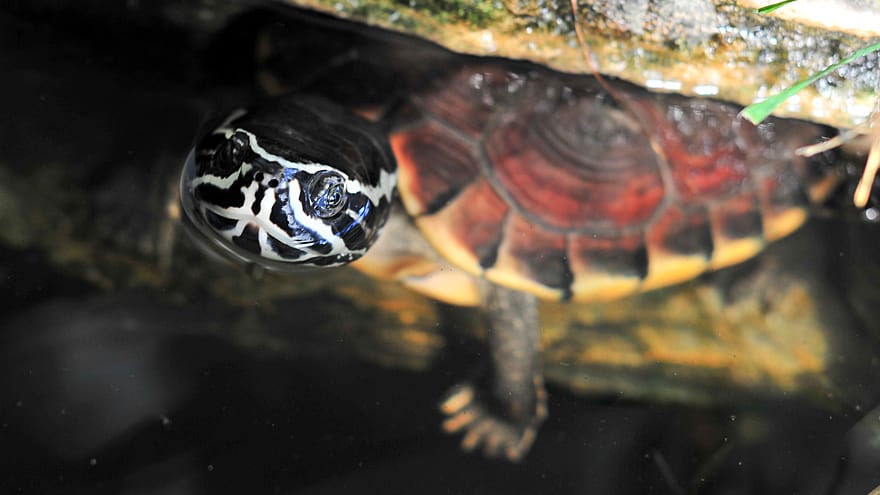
314	230
384	189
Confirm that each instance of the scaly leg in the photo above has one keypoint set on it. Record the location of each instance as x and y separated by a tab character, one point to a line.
506	420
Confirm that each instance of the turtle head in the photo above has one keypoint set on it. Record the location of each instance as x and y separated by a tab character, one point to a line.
297	182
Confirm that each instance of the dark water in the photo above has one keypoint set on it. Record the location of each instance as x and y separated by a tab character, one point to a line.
113	381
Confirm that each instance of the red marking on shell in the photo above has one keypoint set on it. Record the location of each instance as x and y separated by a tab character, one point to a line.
434	165
704	142
468	99
577	173
557	189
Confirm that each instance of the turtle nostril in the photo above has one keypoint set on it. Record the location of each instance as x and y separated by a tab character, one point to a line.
230	154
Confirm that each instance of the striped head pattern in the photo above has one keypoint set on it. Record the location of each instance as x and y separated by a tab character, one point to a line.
296	182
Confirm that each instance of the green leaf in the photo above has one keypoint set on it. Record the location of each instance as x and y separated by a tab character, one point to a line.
773	6
757	112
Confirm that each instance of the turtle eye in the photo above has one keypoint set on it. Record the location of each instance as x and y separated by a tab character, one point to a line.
327	195
231	153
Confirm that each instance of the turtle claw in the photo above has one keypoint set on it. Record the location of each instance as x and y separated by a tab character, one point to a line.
497	437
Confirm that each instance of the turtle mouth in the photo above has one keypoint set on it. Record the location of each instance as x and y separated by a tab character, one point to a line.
196	225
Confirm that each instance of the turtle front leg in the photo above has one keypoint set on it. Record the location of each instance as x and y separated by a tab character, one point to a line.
504	421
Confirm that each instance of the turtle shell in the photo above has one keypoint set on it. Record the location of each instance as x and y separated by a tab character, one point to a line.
553	185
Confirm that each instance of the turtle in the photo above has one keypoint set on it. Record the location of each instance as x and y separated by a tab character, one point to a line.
498	183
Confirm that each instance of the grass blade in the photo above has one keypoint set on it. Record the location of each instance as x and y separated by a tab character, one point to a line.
757	112
773	6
